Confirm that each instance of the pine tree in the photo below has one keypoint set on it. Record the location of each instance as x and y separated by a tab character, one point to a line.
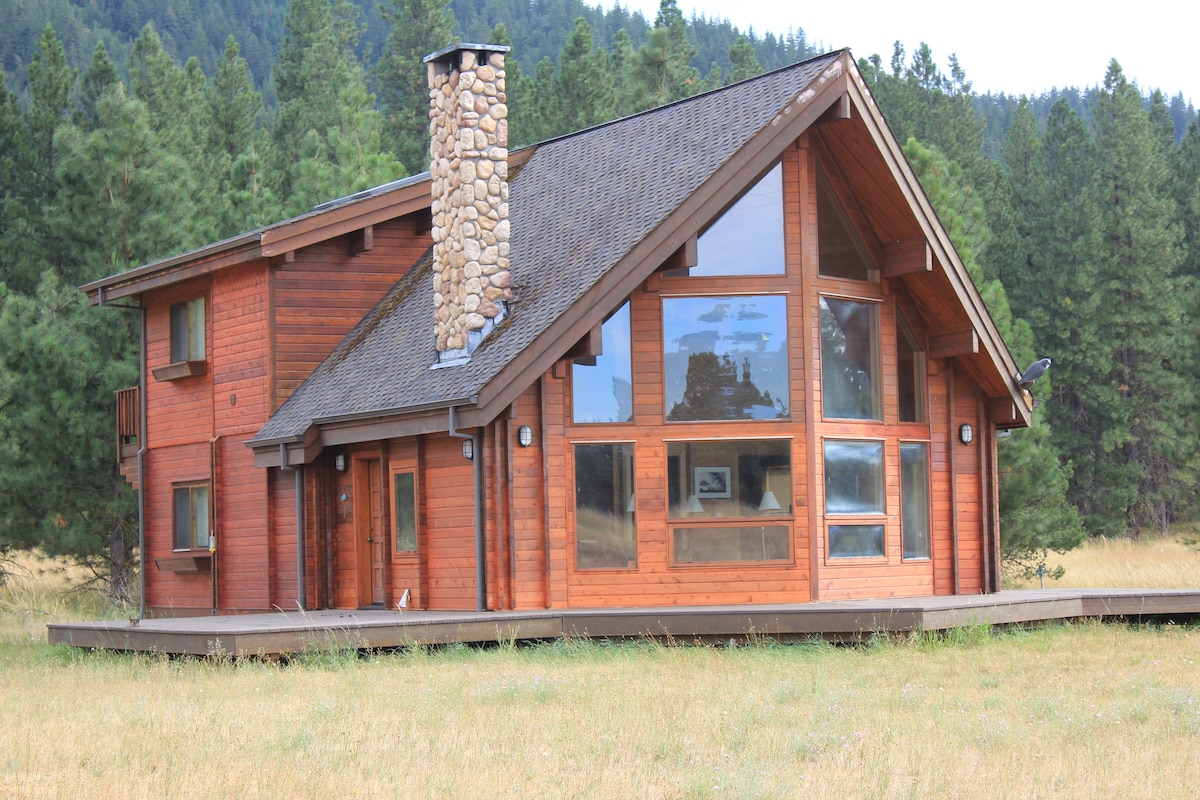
745	64
663	68
100	76
584	84
418	28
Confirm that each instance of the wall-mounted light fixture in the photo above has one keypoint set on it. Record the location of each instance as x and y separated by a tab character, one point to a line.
966	434
468	449
339	462
525	436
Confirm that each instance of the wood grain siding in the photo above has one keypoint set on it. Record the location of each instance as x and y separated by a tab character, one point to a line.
528	516
324	292
449	522
968	491
242	528
166	466
180	411
404	456
282	540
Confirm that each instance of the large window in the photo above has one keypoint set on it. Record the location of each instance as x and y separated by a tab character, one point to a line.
602	386
605	507
840	251
748	238
854	487
187	331
850	385
191	516
735	497
404	510
725	358
914	499
910	367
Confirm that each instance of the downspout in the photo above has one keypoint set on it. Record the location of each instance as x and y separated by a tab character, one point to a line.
299	473
480	545
141	453
213	528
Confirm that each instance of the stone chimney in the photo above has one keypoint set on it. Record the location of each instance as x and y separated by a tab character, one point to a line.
469	167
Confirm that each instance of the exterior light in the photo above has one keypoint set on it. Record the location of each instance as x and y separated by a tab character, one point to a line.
525	435
339	462
966	434
468	449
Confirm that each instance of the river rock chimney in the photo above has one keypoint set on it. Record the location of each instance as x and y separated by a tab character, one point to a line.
468	124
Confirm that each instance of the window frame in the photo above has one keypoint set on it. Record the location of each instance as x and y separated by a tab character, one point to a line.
181	325
631	564
928	505
190	487
414	551
605	352
864	519
880	400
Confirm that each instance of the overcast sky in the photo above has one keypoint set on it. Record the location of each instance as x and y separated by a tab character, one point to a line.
1015	46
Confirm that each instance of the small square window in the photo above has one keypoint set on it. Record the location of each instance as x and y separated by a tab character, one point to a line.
191	517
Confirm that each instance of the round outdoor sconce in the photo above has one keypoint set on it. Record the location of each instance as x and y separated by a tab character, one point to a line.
468	449
966	434
525	436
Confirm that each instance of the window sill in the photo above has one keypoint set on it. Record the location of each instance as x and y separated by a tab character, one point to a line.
180	370
185	564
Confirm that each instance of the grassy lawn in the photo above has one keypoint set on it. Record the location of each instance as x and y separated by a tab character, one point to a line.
1085	710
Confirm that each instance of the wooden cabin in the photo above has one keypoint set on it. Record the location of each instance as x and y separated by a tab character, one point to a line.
720	352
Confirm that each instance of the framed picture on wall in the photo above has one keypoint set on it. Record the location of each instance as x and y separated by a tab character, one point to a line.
712	482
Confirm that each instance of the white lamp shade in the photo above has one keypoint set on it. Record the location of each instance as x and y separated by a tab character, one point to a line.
769	502
632	507
693	505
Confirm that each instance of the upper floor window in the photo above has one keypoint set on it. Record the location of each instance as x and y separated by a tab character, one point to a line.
850	385
910	367
748	238
840	251
602	386
725	358
187	331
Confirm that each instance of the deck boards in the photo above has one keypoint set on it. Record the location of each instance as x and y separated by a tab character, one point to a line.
289	632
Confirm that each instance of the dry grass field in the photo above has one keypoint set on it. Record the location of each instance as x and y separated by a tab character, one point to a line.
1081	711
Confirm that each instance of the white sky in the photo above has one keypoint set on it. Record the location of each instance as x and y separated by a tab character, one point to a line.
1015	46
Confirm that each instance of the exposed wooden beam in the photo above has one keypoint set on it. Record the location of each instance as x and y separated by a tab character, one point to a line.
907	257
362	240
586	349
838	111
954	343
288	257
1002	411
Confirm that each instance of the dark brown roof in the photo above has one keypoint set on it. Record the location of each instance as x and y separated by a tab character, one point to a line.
578	207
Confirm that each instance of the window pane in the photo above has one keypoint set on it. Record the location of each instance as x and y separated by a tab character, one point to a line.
853	477
199	516
840	251
748	238
182	499
603	391
725	357
405	510
605	529
911	378
914	499
855	541
179	333
850	385
742	478
195	334
758	543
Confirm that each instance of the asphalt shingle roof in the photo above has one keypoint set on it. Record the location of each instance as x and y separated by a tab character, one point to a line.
578	206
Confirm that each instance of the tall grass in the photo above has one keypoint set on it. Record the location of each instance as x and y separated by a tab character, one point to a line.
1149	562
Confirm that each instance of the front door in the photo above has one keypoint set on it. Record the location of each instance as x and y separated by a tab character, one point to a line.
373	535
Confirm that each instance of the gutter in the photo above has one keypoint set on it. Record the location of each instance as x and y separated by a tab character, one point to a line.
480	544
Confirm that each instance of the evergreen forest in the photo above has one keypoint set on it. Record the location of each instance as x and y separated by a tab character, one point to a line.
131	130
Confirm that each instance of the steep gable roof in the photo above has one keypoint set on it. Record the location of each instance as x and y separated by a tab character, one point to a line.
592	215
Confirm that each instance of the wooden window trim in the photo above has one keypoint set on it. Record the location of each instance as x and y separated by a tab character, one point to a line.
180	370
788	522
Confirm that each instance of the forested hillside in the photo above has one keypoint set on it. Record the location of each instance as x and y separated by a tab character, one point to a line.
134	129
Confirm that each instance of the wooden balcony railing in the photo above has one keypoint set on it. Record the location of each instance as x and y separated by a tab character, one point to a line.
129	418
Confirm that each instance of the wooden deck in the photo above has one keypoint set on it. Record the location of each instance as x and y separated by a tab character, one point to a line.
290	632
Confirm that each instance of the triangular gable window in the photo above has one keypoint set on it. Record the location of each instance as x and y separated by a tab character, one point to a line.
748	238
840	250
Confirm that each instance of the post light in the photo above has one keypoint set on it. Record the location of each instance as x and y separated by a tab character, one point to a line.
525	435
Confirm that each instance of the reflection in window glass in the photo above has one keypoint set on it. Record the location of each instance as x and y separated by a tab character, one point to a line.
748	238
850	385
605	529
708	545
602	387
914	499
855	541
191	517
910	365
725	358
840	252
853	477
405	511
729	478
187	331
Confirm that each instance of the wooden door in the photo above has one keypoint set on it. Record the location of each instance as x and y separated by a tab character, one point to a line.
372	533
